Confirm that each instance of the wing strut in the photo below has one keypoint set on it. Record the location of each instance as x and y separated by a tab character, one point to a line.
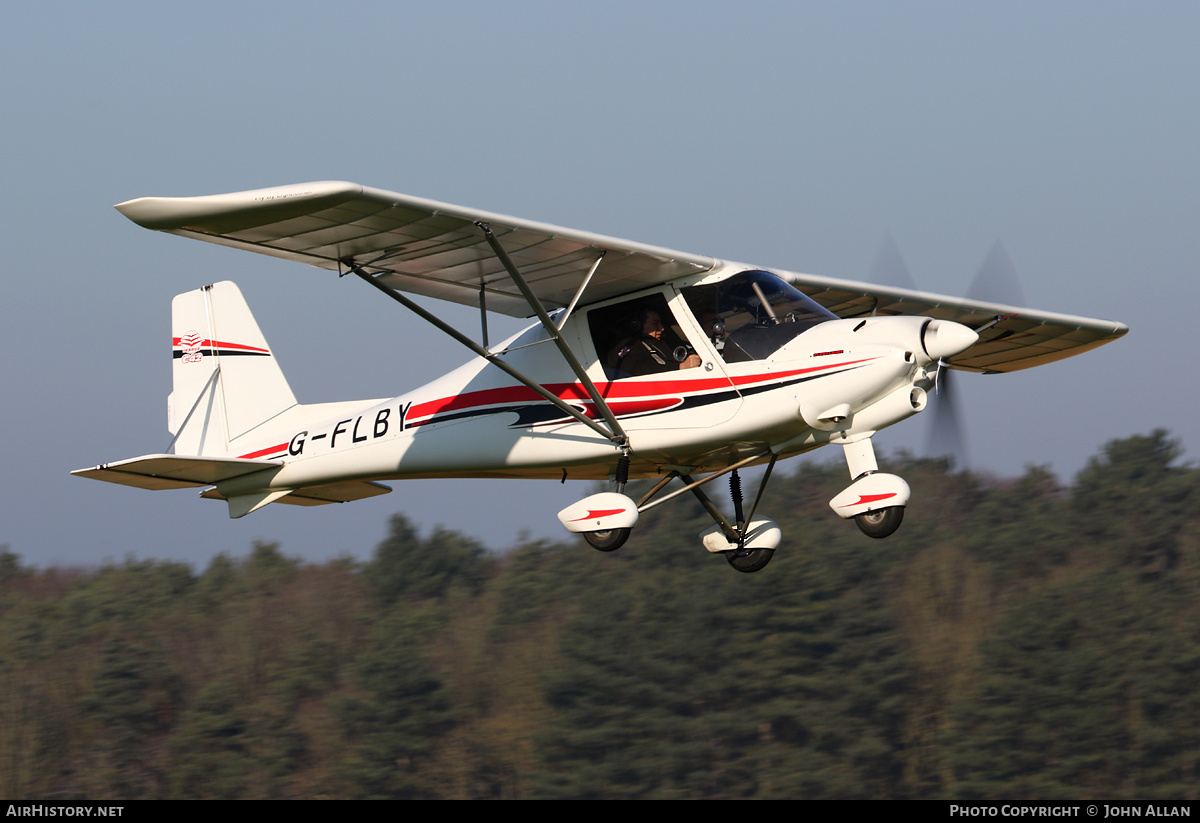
562	321
483	312
616	436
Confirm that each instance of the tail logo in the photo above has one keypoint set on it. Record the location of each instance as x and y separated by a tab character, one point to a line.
190	342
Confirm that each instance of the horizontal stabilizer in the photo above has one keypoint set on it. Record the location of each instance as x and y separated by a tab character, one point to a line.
174	471
318	495
337	493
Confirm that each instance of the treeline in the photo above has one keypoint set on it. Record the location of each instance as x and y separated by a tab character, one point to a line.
1015	639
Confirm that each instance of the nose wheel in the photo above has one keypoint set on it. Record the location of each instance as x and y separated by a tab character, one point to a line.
875	500
881	522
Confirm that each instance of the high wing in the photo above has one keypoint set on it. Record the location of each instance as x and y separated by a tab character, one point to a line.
417	246
436	250
1010	338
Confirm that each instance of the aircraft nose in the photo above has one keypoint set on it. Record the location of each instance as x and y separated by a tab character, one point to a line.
945	338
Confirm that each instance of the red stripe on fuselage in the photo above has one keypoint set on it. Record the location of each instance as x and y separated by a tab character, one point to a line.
646	396
568	392
649	404
262	452
748	379
646	391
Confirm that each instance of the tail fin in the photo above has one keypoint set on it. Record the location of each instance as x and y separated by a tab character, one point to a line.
225	379
227	386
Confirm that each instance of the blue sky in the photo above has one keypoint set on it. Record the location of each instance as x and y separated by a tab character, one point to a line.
795	135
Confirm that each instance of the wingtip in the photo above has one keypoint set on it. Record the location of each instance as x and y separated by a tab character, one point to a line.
170	213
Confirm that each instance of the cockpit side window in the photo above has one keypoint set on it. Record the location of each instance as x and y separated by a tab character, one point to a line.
639	336
753	314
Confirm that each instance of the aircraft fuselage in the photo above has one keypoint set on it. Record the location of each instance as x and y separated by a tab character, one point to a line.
835	380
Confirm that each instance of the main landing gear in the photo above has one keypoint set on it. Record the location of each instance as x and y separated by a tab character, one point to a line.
748	543
875	501
607	540
606	519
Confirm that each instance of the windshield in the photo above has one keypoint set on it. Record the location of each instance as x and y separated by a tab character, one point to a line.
752	315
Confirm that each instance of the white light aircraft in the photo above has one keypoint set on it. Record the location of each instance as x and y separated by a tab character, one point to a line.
643	362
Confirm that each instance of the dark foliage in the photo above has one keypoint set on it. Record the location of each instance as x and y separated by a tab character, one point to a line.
1014	639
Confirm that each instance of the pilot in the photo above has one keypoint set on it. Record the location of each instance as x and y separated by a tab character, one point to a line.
646	353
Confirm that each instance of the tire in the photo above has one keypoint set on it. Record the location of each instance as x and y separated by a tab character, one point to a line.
881	522
607	540
750	561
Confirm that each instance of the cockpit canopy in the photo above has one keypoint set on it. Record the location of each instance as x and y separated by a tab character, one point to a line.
753	314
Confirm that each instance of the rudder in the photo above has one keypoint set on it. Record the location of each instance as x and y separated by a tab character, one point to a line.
225	380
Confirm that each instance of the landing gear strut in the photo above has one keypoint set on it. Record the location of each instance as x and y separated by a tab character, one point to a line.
743	559
875	499
609	540
748	543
